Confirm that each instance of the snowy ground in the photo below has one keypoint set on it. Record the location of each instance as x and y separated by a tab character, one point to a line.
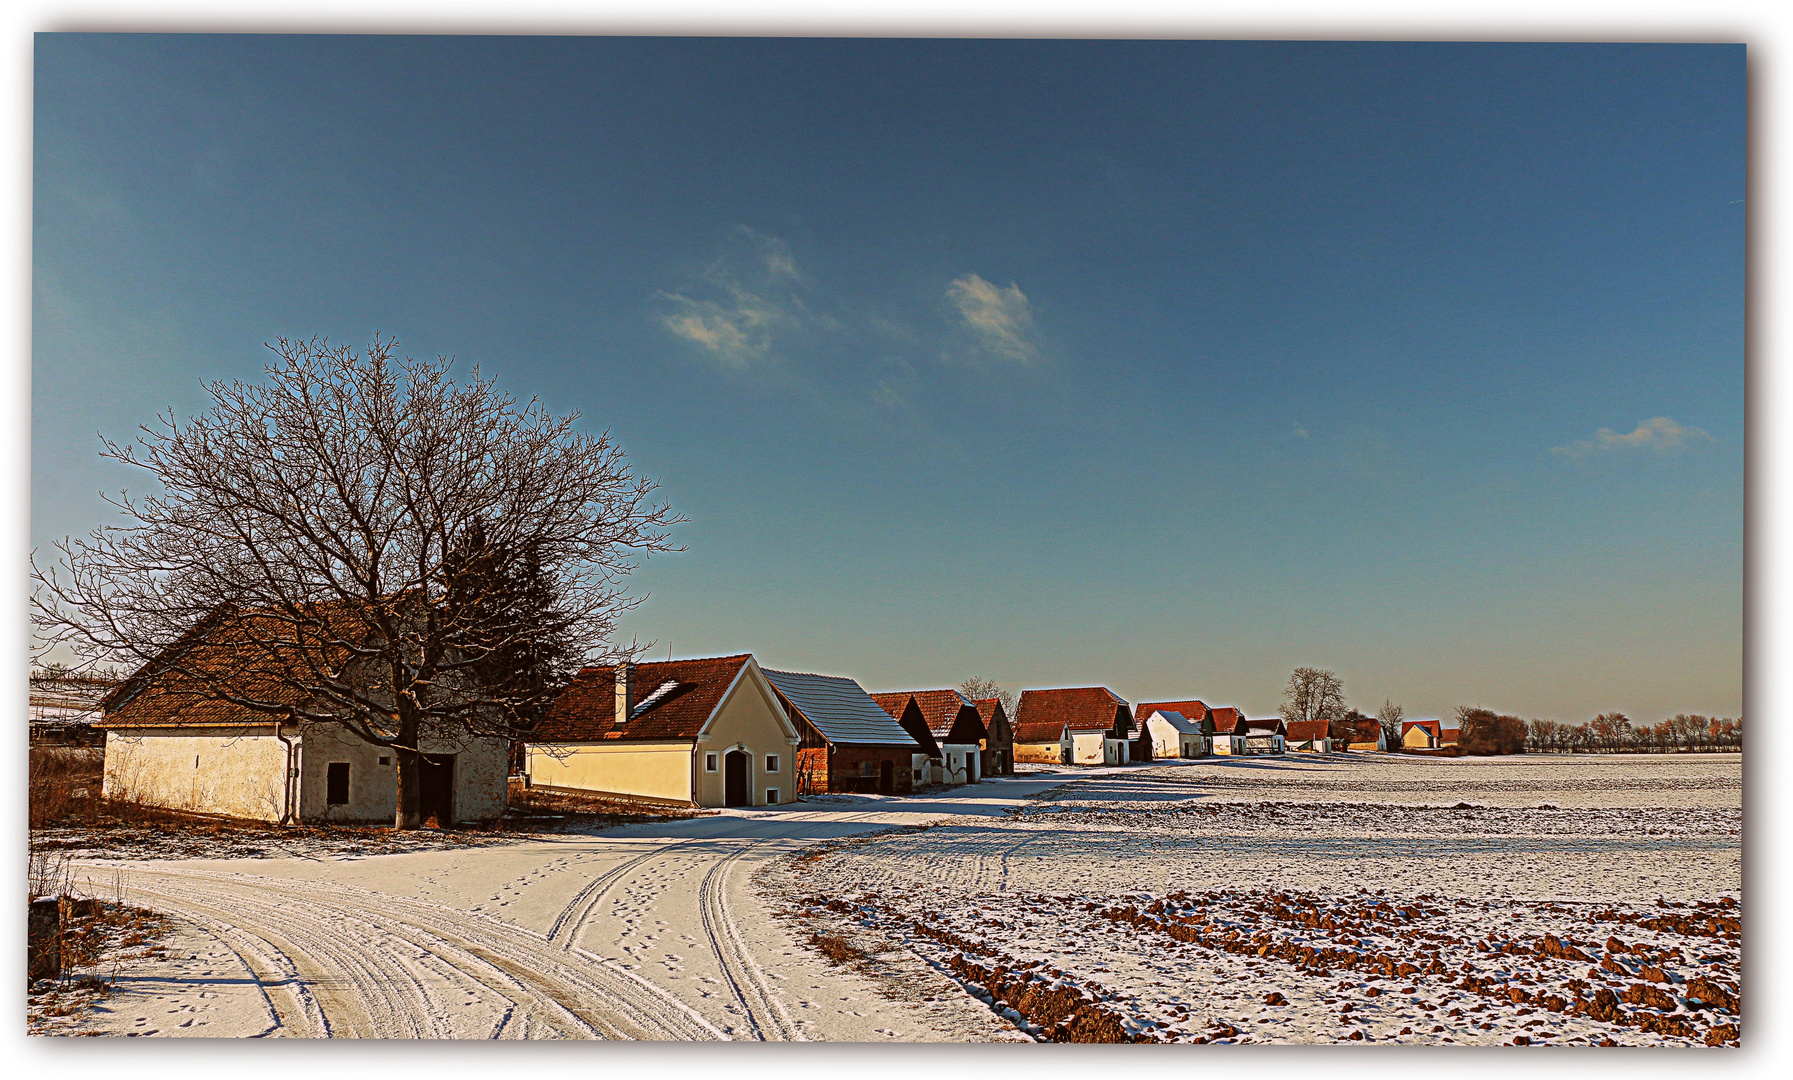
1320	899
650	931
1077	903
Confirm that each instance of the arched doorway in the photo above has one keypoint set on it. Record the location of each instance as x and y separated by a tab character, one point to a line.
735	789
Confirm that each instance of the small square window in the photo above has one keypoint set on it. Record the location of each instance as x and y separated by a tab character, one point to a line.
771	762
771	796
709	763
336	783
385	761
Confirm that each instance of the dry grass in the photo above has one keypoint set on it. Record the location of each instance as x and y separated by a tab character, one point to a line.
96	938
64	786
542	810
838	950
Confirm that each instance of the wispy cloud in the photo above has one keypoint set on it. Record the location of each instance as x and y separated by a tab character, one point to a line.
774	253
1658	435
1000	319
740	303
738	331
1298	432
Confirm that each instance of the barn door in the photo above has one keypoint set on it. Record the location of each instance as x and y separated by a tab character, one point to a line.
735	788
435	788
887	777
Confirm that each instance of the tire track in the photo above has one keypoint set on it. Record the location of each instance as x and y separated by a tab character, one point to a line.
361	989
514	960
1003	885
567	926
506	977
764	1013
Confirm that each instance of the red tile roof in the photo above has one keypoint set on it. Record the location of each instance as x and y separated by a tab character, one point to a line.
994	716
941	711
586	711
1043	715
1189	710
1304	730
892	702
258	657
1429	725
1226	718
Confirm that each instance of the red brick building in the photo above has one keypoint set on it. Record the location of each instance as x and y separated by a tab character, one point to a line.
846	742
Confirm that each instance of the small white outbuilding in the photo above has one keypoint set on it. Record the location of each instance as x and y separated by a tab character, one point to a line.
1175	735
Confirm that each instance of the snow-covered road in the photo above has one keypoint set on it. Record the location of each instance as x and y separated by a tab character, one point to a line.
644	932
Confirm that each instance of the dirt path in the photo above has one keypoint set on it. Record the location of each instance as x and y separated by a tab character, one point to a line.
646	932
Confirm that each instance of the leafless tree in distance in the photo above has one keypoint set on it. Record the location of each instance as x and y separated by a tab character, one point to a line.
1390	717
1314	694
360	540
977	688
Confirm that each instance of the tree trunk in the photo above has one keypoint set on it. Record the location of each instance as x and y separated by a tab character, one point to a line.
410	775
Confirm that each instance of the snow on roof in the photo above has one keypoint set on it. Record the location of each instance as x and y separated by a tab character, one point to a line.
1177	721
839	708
646	703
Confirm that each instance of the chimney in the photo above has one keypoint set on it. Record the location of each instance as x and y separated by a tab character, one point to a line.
625	692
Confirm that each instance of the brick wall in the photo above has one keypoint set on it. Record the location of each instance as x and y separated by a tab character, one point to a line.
844	770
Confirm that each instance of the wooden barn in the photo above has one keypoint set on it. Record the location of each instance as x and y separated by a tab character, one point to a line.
848	743
999	742
952	722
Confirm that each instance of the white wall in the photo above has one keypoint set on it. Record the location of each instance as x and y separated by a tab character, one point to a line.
232	771
480	770
956	762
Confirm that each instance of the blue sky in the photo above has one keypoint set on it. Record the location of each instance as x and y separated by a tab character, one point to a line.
1167	366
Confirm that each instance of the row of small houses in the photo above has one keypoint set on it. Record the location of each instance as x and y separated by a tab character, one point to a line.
718	731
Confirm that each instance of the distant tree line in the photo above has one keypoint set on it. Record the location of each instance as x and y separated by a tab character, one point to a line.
1615	733
1317	694
1483	731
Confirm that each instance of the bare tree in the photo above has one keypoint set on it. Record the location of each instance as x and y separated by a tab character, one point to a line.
978	688
1313	694
1390	717
360	541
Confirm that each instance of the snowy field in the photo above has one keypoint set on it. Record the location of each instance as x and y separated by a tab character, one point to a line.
1296	899
1545	900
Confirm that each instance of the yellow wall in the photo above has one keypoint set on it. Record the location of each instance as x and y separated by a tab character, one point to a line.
1418	737
652	770
1047	752
749	718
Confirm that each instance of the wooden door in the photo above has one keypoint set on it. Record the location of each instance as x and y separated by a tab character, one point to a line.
736	791
886	777
435	788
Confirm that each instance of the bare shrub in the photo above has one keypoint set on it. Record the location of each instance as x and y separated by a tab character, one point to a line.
63	786
838	950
